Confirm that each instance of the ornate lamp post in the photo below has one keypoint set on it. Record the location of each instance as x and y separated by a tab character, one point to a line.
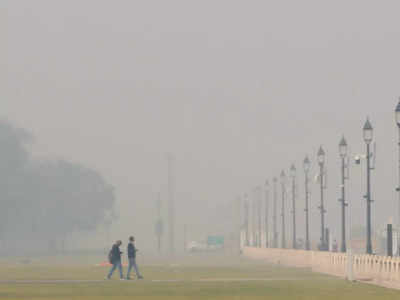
321	162
397	115
283	186
368	133
307	166
343	154
293	176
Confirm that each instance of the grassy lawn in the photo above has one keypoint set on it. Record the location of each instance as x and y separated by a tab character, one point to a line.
198	278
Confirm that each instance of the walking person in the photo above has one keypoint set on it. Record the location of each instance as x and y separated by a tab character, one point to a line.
115	260
132	259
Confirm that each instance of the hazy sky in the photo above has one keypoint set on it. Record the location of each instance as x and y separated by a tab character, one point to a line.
237	90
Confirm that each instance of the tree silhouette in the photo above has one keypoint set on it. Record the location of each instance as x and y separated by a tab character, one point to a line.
44	201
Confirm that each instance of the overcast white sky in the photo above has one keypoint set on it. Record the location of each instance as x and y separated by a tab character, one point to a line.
237	90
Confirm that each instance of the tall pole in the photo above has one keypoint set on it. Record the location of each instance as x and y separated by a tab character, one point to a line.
369	238
397	118
171	205
321	161
343	155
349	248
294	241
398	195
368	137
266	214
283	242
322	208
343	200
307	208
275	213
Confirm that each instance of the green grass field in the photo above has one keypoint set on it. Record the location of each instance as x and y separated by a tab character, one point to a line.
196	278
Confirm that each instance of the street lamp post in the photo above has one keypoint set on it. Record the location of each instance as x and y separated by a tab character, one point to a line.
283	185
368	137
266	213
275	213
293	176
343	155
306	166
321	162
397	115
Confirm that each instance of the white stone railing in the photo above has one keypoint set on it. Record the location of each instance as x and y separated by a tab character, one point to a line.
380	270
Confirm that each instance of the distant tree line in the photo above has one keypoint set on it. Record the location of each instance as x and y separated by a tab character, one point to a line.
44	201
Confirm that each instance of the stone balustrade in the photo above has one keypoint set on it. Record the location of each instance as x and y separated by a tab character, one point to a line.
379	270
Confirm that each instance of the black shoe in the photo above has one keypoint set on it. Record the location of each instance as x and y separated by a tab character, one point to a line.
140	277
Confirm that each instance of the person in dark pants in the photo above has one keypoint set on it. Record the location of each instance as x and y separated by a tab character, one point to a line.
115	260
132	259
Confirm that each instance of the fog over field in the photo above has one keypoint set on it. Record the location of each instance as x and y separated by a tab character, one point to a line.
235	90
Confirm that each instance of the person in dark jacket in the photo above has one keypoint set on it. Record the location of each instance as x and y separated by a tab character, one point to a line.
132	259
116	260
